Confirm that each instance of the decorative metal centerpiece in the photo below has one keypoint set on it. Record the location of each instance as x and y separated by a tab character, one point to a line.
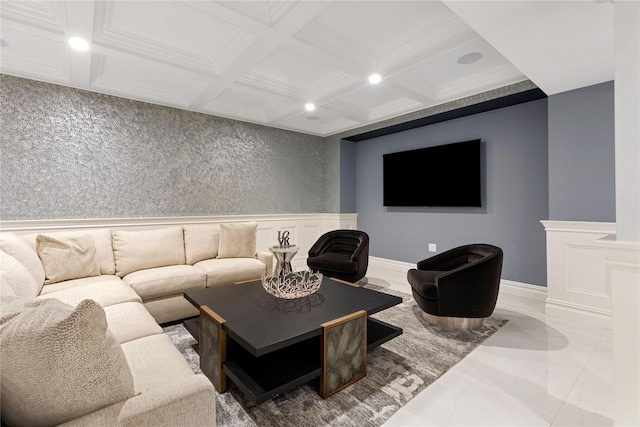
292	285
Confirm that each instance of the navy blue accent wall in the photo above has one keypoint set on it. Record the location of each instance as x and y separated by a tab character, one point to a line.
515	192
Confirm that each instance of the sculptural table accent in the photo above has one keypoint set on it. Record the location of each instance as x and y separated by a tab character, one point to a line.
284	255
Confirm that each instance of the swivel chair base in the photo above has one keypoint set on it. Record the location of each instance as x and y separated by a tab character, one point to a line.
454	323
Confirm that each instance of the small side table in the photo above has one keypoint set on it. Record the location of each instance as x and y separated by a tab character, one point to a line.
284	255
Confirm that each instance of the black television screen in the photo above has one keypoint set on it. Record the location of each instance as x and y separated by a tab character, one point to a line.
444	175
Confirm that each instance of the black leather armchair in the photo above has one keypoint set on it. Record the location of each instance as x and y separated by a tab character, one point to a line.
460	283
343	254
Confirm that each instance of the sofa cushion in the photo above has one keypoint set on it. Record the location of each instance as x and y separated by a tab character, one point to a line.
67	258
20	250
162	281
104	293
238	240
170	308
155	361
74	283
138	250
101	239
130	321
62	363
17	277
201	242
227	271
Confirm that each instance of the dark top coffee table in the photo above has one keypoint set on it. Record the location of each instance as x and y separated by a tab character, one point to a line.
272	344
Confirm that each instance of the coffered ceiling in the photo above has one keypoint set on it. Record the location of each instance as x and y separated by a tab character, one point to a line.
262	61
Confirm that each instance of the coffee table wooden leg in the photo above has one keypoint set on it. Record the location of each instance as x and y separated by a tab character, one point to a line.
213	347
344	352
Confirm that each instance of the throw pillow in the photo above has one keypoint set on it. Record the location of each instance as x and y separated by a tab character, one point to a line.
15	275
139	250
238	240
201	242
15	246
101	239
59	363
67	258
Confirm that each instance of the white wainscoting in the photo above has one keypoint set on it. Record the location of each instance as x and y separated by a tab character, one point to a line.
304	229
577	286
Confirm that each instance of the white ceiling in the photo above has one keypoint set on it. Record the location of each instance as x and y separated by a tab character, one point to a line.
261	61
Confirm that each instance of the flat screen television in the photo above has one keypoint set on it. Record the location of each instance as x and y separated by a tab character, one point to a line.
443	175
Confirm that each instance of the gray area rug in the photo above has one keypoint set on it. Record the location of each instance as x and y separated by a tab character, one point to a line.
396	372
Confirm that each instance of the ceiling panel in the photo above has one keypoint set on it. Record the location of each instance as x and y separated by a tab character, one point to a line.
261	61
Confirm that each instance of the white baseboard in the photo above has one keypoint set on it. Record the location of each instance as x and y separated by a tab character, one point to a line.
389	273
523	290
578	312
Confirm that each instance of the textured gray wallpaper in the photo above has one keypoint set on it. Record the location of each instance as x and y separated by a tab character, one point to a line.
68	153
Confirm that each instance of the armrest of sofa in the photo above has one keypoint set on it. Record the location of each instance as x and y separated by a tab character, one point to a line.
267	259
189	401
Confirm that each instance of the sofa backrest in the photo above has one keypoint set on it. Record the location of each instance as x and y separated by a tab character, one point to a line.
201	242
139	250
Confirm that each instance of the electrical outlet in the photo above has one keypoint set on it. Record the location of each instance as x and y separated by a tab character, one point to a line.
432	247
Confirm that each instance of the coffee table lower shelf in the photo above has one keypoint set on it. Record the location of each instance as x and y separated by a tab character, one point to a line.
264	377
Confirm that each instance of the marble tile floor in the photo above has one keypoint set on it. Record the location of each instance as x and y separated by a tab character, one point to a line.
537	370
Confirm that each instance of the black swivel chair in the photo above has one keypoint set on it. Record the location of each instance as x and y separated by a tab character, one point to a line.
458	288
342	254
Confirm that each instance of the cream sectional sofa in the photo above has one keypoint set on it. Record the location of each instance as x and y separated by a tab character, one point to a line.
89	303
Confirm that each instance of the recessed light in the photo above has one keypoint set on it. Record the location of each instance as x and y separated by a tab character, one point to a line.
309	106
375	78
470	58
4	43
78	44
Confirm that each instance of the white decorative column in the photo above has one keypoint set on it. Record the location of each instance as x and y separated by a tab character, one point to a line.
623	251
577	288
623	278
